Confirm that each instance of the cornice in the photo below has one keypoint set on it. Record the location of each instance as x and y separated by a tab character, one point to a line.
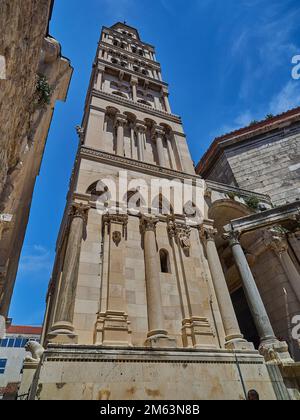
133	105
134	165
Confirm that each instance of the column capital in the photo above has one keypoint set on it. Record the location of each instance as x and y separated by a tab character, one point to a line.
148	223
101	67
180	232
140	126
79	210
208	233
157	131
134	80
233	237
275	239
121	120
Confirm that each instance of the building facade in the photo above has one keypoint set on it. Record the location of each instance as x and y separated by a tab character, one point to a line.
12	355
36	76
138	305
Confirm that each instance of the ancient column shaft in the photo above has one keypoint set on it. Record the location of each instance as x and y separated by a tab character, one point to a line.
234	338
254	299
120	122
63	320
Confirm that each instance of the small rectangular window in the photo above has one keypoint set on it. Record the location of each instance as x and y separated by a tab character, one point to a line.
2	366
11	342
18	343
4	342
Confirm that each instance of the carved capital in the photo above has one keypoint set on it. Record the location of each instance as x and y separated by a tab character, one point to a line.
140	127
121	120
148	223
232	237
157	132
79	210
180	232
208	233
275	239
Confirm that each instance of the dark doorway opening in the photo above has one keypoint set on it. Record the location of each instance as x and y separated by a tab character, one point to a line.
244	317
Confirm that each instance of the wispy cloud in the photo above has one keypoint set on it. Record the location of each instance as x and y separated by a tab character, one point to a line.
36	260
287	98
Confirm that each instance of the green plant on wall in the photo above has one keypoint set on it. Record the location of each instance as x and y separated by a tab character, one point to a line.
252	202
43	91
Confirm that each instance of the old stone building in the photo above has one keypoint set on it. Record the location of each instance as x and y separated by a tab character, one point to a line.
265	159
34	77
138	306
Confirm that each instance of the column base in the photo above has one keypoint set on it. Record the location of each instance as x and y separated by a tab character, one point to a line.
197	333
237	342
62	333
159	339
275	352
113	329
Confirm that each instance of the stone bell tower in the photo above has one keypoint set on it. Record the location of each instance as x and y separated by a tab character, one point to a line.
138	305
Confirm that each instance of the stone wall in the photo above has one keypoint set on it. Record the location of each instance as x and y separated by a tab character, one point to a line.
24	122
23	25
268	165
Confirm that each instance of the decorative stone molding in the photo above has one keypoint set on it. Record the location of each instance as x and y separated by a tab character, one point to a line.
113	329
275	239
180	232
140	127
131	164
81	133
197	333
119	219
157	131
137	106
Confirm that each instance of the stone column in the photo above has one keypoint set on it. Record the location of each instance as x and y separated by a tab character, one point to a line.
255	302
158	135
277	242
62	330
234	339
157	335
141	130
121	121
99	80
165	94
134	83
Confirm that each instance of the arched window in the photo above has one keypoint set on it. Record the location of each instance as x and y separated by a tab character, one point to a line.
114	61
98	190
164	261
134	200
141	101
119	94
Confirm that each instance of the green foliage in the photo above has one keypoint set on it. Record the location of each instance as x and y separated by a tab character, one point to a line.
269	116
43	91
254	122
252	202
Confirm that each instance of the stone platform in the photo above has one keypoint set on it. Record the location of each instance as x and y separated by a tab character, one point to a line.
95	373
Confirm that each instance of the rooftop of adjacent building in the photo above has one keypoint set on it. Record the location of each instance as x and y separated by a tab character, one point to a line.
256	128
24	330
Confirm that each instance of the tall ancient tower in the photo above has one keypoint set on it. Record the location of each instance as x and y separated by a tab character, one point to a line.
138	306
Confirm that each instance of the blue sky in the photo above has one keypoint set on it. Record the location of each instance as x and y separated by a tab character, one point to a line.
227	63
